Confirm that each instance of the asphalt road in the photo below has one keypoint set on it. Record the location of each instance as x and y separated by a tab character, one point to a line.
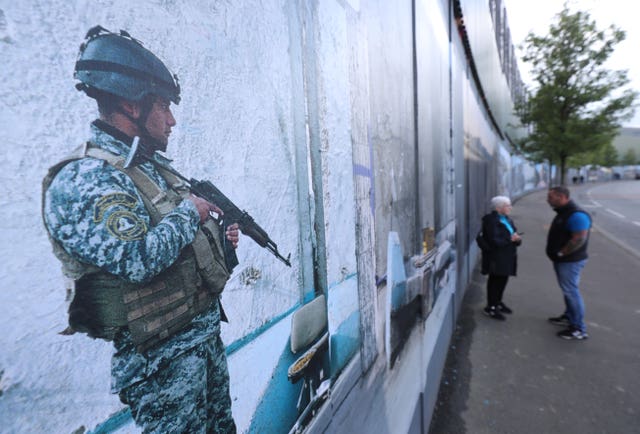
615	207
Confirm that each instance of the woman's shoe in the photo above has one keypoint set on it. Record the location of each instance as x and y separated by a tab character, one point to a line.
504	308
493	312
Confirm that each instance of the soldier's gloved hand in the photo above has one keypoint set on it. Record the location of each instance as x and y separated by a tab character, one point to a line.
233	234
205	208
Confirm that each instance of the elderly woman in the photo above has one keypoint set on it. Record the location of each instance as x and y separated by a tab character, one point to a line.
499	257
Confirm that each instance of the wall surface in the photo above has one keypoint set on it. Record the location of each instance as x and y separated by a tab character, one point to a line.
338	125
237	126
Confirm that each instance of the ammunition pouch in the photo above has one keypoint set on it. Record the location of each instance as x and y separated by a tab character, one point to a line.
103	304
209	256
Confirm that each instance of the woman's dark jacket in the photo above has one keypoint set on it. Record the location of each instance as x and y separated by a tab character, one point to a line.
501	259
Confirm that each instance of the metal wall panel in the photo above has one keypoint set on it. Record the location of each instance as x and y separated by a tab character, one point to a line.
433	114
392	130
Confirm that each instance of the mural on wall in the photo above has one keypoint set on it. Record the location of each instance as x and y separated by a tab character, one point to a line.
298	123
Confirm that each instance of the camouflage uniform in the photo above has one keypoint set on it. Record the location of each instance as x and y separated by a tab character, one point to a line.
96	214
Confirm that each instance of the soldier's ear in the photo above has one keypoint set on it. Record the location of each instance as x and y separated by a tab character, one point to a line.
132	109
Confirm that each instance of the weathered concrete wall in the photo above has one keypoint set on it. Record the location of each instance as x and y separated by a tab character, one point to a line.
392	130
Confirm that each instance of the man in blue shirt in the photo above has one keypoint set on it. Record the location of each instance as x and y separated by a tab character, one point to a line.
567	248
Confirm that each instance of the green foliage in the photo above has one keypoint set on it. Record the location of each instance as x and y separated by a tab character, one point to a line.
577	105
629	158
606	156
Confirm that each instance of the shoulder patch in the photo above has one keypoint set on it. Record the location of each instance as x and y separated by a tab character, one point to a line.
113	199
126	226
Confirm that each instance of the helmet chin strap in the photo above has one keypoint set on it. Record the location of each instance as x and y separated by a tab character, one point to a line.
141	122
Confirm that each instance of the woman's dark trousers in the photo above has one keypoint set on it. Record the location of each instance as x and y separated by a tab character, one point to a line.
495	289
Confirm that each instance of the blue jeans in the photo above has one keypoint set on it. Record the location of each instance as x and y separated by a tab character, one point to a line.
568	275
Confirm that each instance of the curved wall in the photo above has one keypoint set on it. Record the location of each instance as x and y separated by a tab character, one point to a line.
345	128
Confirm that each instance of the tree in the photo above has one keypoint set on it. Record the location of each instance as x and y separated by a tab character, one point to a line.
577	105
606	156
629	158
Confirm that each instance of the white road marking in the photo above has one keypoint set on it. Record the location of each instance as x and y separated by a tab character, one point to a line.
595	203
617	214
636	223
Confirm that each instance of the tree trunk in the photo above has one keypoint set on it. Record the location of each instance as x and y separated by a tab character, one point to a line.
563	167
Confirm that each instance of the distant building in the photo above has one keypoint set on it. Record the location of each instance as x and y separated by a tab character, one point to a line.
629	138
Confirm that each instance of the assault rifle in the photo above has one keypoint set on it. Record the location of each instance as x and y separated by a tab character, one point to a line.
206	190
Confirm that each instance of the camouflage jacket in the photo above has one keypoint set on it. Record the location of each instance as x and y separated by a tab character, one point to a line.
97	215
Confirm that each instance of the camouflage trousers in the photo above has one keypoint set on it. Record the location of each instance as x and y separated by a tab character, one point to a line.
189	395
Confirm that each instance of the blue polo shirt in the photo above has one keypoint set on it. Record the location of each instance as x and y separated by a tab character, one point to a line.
578	221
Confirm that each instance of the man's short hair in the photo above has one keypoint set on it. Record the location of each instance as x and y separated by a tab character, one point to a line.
561	189
107	103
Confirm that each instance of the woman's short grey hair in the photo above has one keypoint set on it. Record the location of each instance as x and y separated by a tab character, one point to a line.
500	201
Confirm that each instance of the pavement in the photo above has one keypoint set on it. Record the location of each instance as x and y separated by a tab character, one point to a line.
516	376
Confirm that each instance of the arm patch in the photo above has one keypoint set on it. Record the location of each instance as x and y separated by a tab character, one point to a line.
126	226
110	200
122	222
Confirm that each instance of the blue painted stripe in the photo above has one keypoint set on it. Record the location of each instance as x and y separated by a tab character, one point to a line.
309	296
276	412
348	277
243	341
360	170
345	342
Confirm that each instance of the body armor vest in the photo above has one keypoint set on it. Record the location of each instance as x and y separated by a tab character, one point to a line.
102	304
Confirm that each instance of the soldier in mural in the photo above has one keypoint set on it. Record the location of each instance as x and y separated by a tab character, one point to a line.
147	259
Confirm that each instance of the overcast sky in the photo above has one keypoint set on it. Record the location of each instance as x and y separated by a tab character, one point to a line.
536	16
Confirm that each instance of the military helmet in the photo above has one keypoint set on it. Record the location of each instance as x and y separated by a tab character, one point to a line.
119	65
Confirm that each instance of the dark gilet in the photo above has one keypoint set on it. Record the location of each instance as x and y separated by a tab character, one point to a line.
559	235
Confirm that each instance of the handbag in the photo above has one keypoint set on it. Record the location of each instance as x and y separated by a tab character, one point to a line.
482	243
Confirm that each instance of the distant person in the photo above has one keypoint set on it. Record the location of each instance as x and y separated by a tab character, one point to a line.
567	248
499	242
145	256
